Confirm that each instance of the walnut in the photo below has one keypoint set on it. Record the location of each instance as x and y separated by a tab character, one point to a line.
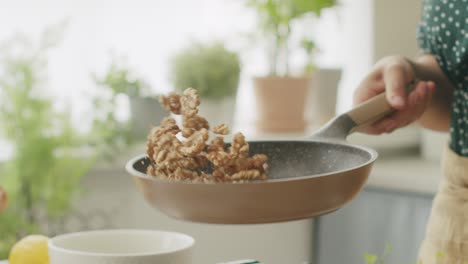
222	129
192	124
181	174
171	103
173	159
216	154
190	102
239	147
201	160
195	143
217	144
258	161
246	175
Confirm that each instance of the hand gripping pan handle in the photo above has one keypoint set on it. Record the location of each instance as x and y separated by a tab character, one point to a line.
360	116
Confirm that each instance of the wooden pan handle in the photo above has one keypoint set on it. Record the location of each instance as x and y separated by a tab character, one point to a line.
374	109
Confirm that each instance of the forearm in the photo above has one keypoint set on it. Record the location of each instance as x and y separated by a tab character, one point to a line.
437	115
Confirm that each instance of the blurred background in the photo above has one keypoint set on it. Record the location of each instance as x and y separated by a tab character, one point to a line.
79	82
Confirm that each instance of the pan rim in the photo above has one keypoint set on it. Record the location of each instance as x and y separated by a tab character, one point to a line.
129	167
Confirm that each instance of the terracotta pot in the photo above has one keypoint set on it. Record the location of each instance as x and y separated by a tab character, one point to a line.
281	103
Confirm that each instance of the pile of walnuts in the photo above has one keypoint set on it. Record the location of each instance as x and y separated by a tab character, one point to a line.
188	159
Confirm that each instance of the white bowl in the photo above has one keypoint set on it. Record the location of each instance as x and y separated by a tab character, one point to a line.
121	246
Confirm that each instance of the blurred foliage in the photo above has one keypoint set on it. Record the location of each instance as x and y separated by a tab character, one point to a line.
275	22
371	259
50	157
43	175
309	47
114	135
374	259
122	80
108	135
211	69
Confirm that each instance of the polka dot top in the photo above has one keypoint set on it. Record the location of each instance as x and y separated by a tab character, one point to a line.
443	32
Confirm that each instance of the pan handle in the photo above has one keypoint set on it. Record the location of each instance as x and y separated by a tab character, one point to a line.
374	109
360	116
370	111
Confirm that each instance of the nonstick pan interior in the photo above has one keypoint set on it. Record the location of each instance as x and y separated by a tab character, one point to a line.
292	159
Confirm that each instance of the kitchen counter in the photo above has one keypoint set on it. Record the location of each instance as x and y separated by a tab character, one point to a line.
406	173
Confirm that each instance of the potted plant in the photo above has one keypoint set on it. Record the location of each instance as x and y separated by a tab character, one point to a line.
145	111
281	97
43	174
214	72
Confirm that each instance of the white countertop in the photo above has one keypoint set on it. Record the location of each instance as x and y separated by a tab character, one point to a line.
407	173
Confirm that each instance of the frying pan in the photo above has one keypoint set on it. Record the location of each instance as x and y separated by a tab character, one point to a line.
306	178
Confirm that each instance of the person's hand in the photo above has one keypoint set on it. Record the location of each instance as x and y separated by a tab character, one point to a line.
392	75
3	199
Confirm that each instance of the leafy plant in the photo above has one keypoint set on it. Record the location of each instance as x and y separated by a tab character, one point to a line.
275	21
374	259
122	80
309	47
211	69
44	173
108	135
112	135
370	259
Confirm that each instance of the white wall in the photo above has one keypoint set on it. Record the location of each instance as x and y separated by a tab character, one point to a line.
395	25
148	33
375	29
358	45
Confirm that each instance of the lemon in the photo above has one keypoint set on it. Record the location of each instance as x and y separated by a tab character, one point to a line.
30	250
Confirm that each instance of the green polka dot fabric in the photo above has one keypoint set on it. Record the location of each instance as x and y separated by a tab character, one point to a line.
443	32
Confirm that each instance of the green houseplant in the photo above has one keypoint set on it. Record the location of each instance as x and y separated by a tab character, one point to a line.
276	18
43	175
214	71
279	88
145	111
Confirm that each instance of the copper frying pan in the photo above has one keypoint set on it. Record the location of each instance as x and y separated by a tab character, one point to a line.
306	178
